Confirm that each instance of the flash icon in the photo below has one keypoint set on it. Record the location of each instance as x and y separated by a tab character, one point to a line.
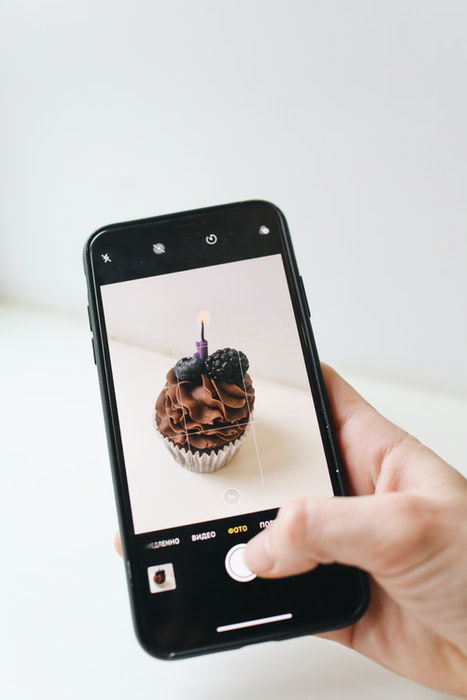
158	248
263	230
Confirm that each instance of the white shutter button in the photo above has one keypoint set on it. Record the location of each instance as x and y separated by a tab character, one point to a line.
235	564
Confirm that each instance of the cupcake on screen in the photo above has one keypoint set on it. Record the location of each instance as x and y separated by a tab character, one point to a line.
204	409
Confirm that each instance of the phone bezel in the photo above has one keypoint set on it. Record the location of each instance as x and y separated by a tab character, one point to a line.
323	412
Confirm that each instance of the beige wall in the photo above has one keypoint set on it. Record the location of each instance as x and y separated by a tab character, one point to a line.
250	310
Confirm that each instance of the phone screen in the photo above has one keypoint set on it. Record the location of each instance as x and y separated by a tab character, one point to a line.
231	432
216	418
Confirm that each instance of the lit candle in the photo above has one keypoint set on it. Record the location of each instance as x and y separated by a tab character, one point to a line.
201	345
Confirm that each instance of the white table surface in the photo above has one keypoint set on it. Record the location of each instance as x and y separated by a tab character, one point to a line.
68	630
280	437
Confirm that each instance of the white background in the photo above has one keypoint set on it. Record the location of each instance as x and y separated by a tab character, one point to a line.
351	117
348	115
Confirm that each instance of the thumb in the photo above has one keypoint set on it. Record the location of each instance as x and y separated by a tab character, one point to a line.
378	533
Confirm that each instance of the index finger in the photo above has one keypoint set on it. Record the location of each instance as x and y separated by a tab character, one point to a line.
364	435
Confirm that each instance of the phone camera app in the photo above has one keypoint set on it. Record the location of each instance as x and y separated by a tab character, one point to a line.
214	400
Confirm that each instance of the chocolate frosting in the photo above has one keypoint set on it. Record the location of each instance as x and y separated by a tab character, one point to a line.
206	415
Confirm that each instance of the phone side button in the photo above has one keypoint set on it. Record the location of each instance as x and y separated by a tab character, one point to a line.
304	297
89	319
93	350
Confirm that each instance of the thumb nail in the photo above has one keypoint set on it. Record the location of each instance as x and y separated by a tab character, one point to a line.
257	555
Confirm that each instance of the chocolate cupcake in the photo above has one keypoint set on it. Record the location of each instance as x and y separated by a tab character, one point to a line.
204	409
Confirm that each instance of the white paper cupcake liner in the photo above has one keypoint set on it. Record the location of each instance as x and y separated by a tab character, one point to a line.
206	462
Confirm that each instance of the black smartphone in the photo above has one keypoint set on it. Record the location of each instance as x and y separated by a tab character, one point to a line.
216	414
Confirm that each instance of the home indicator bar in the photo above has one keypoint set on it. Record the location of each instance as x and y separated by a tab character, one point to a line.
252	623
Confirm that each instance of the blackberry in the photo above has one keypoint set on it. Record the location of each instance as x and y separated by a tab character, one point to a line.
227	365
189	369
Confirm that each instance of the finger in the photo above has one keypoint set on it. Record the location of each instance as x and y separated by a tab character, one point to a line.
365	437
118	544
376	450
382	534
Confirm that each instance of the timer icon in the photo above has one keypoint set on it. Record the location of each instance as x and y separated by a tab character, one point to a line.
211	239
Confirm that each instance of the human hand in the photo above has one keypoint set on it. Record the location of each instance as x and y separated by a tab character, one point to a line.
407	526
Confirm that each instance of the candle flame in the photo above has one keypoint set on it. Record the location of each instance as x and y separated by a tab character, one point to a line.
204	317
